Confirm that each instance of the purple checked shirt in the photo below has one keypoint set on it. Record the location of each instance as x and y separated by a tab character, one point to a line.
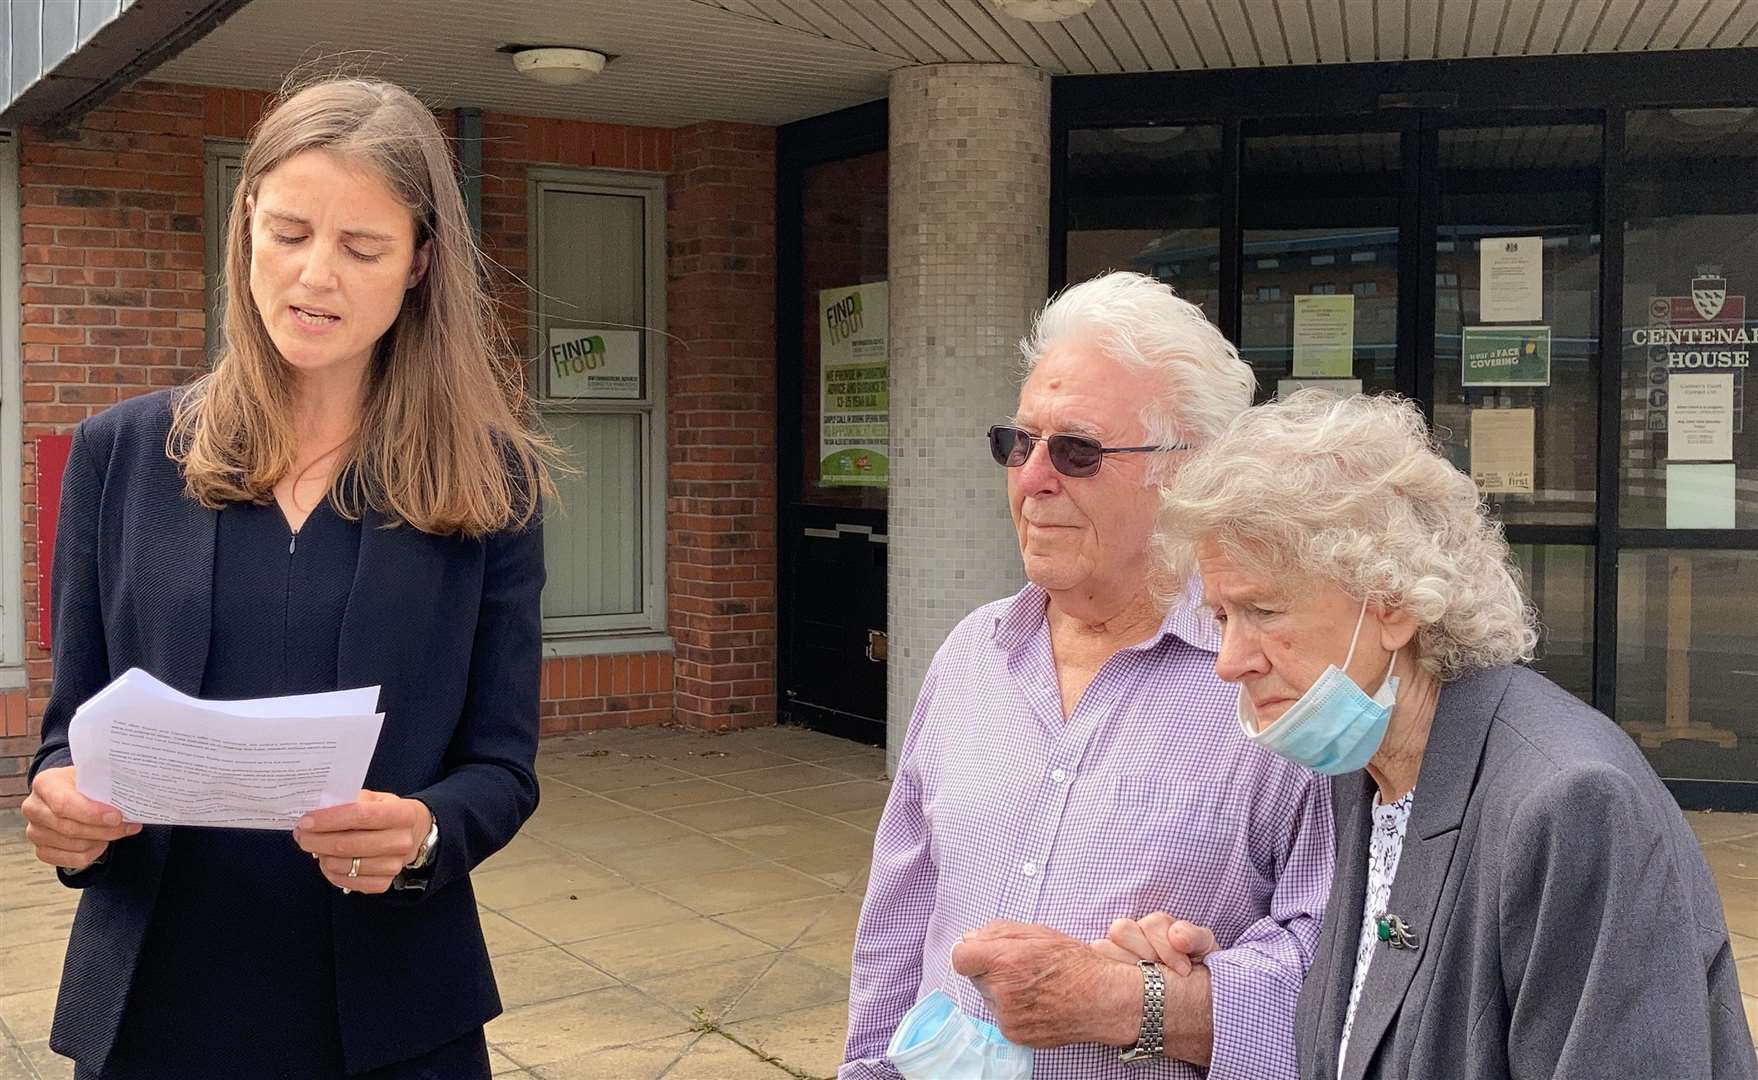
1147	799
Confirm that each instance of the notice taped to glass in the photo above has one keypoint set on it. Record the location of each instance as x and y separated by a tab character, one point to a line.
1501	450
593	364
854	391
1510	278
1324	336
1505	356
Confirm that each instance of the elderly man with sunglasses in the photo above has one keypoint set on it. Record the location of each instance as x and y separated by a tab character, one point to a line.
1073	759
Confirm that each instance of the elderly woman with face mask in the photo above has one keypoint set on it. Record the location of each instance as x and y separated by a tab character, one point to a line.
1516	893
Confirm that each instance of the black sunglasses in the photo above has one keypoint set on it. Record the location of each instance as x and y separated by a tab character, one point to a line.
1071	455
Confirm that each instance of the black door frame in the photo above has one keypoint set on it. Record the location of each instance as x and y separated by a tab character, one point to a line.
1420	99
835	136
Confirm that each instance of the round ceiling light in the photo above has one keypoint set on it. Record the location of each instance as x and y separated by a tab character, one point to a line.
558	66
1043	11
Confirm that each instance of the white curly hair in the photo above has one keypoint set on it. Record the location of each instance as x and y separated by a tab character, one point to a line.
1141	323
1354	491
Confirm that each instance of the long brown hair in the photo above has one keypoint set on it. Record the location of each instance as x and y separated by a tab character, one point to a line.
444	442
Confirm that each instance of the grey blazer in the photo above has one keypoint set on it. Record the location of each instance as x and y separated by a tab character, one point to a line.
1569	925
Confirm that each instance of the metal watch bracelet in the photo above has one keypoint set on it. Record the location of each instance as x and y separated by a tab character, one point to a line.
1151	1043
413	877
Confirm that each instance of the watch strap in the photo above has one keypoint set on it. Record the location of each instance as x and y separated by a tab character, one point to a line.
1151	1043
424	853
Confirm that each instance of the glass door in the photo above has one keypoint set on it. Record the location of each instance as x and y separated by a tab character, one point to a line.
1363	252
1323	212
1687	455
1514	211
835	481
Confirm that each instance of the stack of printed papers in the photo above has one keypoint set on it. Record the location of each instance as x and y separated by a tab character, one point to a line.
165	758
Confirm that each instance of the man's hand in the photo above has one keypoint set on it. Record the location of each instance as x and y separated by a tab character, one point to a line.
1047	989
382	830
66	828
1160	938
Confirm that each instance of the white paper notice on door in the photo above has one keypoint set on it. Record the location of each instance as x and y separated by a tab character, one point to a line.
1340	387
1324	336
1700	417
1501	450
1510	279
1700	495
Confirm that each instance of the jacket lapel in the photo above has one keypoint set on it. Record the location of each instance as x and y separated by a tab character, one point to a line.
1443	790
1336	948
181	618
398	577
174	615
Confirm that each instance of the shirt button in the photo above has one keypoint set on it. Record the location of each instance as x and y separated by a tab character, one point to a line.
1058	775
1029	869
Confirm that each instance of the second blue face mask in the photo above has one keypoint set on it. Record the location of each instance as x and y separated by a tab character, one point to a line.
1335	727
937	1041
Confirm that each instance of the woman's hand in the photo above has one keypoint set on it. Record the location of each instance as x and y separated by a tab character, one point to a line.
1159	938
382	830
67	829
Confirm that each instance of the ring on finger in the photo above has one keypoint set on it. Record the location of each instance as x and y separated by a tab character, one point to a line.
354	867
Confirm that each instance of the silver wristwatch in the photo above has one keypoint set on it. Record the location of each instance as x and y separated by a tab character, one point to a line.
1150	1045
424	853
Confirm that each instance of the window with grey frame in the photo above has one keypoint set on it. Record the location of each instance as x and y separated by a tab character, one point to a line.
224	166
598	377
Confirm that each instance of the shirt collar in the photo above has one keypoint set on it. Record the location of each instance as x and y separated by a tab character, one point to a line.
1020	617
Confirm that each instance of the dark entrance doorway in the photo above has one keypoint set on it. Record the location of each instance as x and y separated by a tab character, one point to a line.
834	486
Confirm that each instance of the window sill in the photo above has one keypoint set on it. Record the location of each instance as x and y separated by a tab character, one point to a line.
13	678
603	645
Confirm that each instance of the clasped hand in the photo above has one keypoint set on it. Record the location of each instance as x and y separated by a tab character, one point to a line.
1158	938
1046	989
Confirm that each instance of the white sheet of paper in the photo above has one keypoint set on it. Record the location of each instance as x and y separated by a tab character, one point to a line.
165	758
1510	279
1501	450
1699	496
1700	417
1341	387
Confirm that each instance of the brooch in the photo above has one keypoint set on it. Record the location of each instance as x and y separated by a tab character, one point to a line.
1396	932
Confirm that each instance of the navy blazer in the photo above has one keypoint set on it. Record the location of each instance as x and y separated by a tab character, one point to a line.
449	627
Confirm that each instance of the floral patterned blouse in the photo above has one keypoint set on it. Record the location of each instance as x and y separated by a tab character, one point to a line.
1387	843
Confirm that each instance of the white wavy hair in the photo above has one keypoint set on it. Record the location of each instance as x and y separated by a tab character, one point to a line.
1141	323
1354	491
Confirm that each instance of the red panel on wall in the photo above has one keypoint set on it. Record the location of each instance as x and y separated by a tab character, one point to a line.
52	451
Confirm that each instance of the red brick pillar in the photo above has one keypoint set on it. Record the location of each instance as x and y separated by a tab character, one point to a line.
112	303
720	386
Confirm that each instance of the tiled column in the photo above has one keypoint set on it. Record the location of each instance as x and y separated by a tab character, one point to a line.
969	219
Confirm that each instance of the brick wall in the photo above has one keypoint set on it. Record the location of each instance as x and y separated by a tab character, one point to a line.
112	294
111	286
720	513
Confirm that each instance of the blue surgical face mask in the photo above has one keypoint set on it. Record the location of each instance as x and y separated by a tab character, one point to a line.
937	1041
1335	727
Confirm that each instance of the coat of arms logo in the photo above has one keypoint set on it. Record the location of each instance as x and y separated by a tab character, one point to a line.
1708	291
